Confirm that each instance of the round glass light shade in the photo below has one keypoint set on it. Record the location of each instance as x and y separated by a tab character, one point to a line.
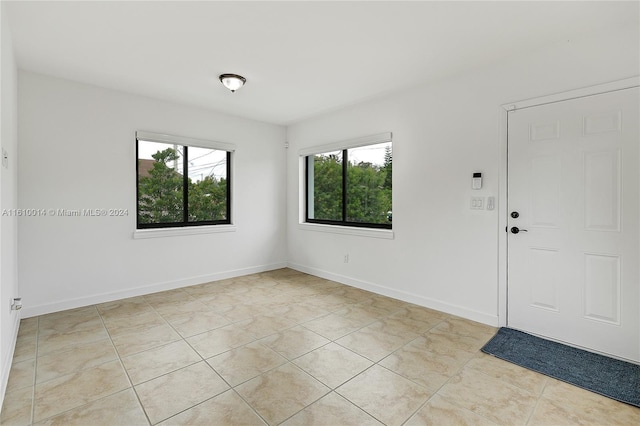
232	81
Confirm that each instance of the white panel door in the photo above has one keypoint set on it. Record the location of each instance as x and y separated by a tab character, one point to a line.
574	191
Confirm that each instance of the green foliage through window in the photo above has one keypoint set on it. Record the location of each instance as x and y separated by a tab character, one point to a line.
351	187
181	185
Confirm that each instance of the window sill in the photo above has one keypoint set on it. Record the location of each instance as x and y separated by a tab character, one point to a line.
386	234
187	230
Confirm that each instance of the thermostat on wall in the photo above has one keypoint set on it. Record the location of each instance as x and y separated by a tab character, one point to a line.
476	182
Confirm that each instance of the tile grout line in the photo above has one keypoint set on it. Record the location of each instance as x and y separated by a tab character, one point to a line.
233	388
203	359
10	389
288	361
352	402
303	408
122	365
35	373
292	361
179	334
297	322
440	388
182	338
62	351
462	367
117	354
535	406
407	378
377	363
331	389
256	339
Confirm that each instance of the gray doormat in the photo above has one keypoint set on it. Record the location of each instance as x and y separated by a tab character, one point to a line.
610	377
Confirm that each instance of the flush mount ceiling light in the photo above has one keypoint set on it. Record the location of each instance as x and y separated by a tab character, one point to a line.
232	81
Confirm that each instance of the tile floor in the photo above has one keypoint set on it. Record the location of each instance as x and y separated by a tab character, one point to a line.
279	347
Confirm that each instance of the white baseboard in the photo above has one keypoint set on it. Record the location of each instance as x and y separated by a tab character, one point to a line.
449	308
32	311
437	305
7	359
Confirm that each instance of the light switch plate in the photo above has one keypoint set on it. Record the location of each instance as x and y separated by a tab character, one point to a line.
5	158
477	203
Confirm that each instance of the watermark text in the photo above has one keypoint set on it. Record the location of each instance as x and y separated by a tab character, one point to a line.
58	212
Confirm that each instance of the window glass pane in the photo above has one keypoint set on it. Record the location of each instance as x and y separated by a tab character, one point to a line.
160	182
369	183
325	180
207	169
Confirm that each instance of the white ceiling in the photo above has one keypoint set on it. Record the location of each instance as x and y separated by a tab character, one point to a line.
300	58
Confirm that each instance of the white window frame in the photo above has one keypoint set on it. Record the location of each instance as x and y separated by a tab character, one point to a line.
337	146
188	230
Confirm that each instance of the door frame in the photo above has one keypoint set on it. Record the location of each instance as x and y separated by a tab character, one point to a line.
503	196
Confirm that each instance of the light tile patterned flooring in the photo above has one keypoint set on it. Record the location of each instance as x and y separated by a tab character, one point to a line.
279	347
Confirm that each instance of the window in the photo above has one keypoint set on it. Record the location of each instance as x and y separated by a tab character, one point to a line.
351	186
182	181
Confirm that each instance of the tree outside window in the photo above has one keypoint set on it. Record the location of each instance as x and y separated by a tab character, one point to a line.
351	187
180	185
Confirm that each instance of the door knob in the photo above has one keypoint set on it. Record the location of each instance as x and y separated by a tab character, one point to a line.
516	230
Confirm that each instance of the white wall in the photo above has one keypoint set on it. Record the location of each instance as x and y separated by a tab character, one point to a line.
444	255
9	320
77	150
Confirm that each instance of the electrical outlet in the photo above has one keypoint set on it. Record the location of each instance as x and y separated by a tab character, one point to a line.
346	258
16	303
